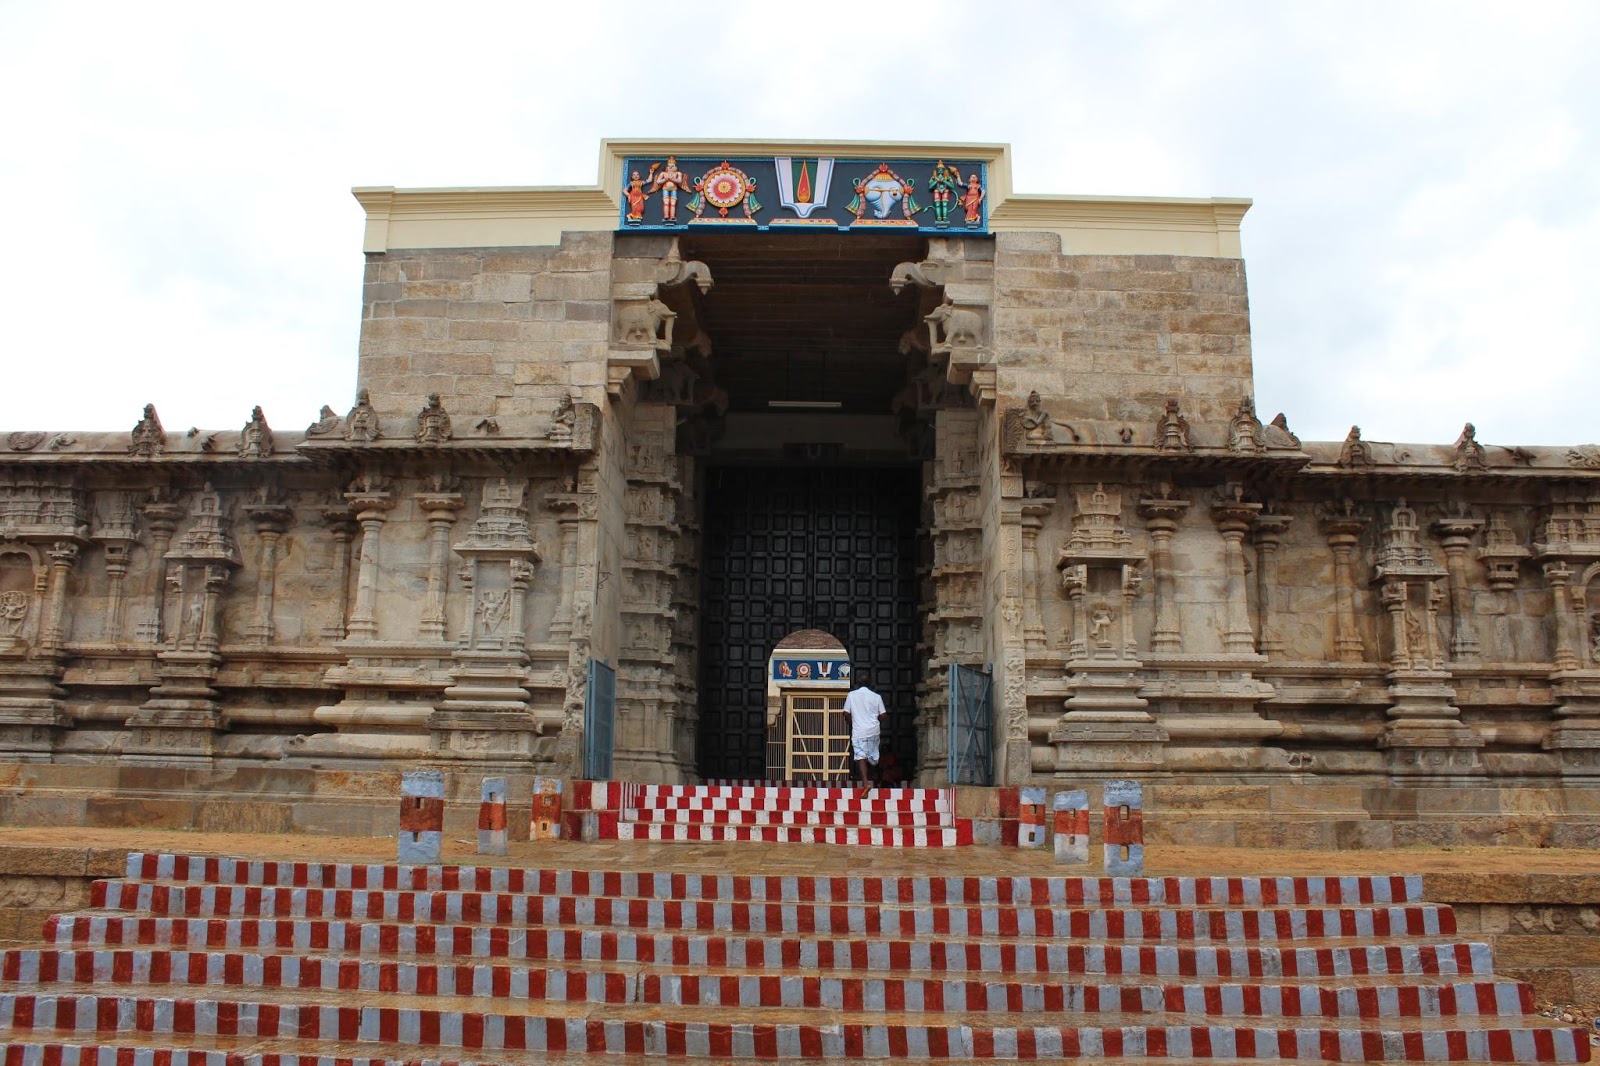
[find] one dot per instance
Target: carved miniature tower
(182, 715)
(1425, 734)
(1106, 724)
(484, 715)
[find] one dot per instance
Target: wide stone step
(653, 795)
(765, 952)
(385, 1028)
(1067, 891)
(324, 973)
(1233, 926)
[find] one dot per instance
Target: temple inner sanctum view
(634, 476)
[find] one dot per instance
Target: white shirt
(865, 707)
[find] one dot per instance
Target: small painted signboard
(792, 192)
(789, 670)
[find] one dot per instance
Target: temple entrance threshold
(805, 547)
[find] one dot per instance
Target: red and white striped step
(328, 973)
(328, 961)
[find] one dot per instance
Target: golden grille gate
(817, 744)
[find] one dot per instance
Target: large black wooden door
(806, 548)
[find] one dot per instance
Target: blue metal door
(599, 721)
(971, 722)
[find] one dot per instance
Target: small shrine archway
(808, 731)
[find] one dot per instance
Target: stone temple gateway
(609, 446)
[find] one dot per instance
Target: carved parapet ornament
(148, 439)
(433, 422)
(1172, 431)
(255, 439)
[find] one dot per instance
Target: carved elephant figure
(951, 327)
(649, 323)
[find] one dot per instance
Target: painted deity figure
(636, 196)
(943, 188)
(668, 181)
(972, 200)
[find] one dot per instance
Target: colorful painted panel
(792, 192)
(788, 669)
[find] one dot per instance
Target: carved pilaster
(270, 520)
(118, 534)
(1034, 510)
(1268, 534)
(1162, 516)
(341, 523)
(371, 501)
(1343, 528)
(1558, 576)
(1233, 516)
(62, 554)
(1455, 533)
(440, 508)
(162, 515)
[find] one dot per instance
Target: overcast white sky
(1426, 177)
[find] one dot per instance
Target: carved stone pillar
(371, 503)
(441, 509)
(1161, 518)
(1455, 535)
(63, 553)
(1269, 530)
(270, 520)
(1343, 532)
(1558, 575)
(1393, 598)
(1233, 517)
(341, 524)
(569, 512)
(1033, 512)
(117, 536)
(162, 516)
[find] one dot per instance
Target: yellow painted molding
(524, 216)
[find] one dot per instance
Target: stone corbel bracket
(652, 311)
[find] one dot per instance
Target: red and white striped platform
(190, 960)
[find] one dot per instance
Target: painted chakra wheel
(725, 186)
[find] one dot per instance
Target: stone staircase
(216, 960)
(784, 814)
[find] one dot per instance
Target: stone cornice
(501, 217)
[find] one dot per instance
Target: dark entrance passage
(805, 548)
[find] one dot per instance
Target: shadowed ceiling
(807, 316)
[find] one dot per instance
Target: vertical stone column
(1455, 535)
(1393, 596)
(1161, 517)
(342, 525)
(270, 520)
(371, 503)
(1033, 512)
(568, 508)
(1269, 530)
(1233, 516)
(1075, 579)
(162, 517)
(63, 553)
(441, 509)
(1558, 575)
(117, 572)
(1342, 533)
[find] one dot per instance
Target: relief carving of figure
(492, 610)
(1036, 421)
(635, 195)
(563, 418)
(1100, 619)
(972, 200)
(255, 439)
(667, 180)
(943, 188)
(1172, 430)
(1469, 453)
(13, 612)
(361, 424)
(1355, 452)
(149, 439)
(433, 423)
(325, 424)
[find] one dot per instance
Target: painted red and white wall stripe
(519, 983)
(109, 1015)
